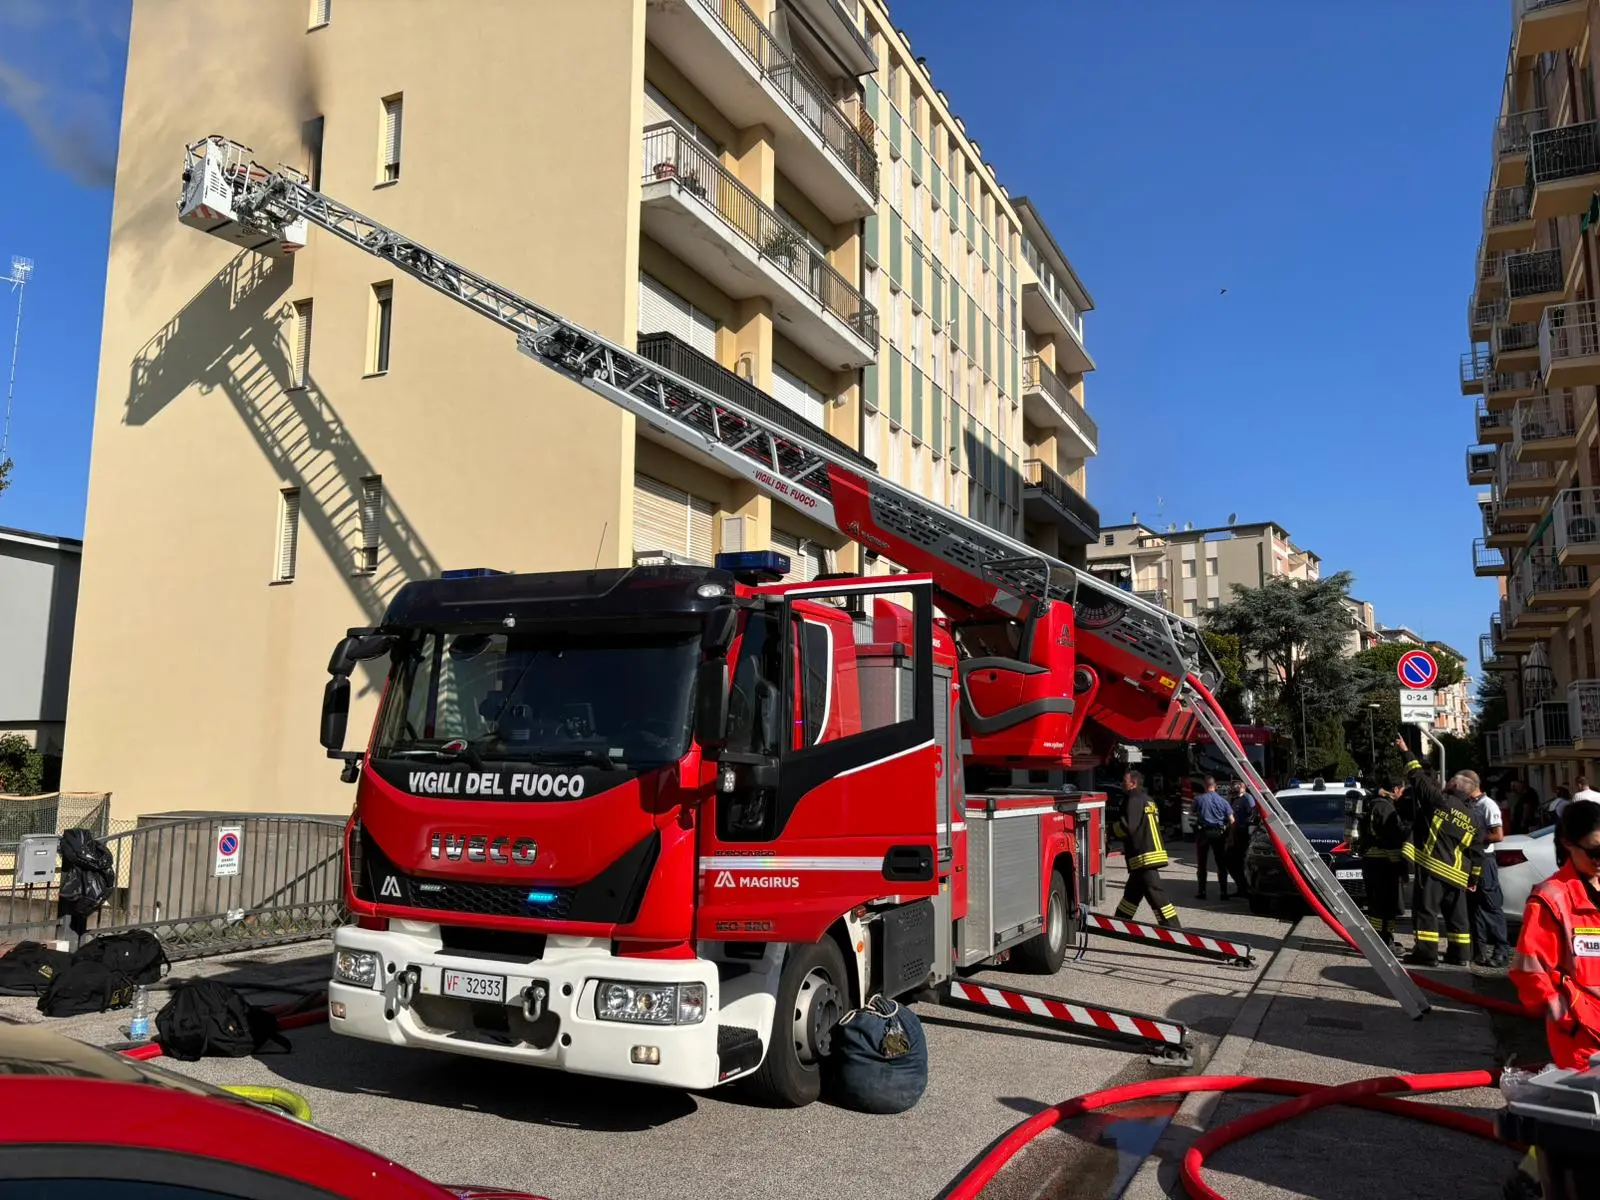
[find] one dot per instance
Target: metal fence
(176, 877)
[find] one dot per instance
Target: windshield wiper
(598, 758)
(465, 754)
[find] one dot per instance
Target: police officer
(1383, 838)
(1139, 827)
(1444, 849)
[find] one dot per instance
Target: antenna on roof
(1232, 517)
(21, 268)
(1188, 525)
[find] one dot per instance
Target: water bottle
(139, 1027)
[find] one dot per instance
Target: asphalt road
(459, 1120)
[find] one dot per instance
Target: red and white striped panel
(1109, 1020)
(1176, 938)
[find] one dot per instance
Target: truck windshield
(619, 699)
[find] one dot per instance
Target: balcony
(1526, 614)
(1046, 497)
(1493, 754)
(1487, 559)
(1569, 344)
(676, 355)
(1552, 730)
(1507, 528)
(1502, 389)
(1515, 347)
(1481, 464)
(1154, 596)
(1512, 135)
(1491, 656)
(1515, 637)
(1493, 426)
(1048, 403)
(1544, 26)
(1543, 428)
(699, 211)
(1564, 169)
(1507, 221)
(1575, 523)
(1519, 482)
(1483, 314)
(1583, 714)
(1490, 264)
(1551, 585)
(1533, 281)
(1048, 312)
(1474, 368)
(723, 48)
(831, 22)
(1516, 743)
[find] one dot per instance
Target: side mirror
(335, 712)
(721, 623)
(711, 706)
(358, 648)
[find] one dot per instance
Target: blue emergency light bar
(542, 897)
(470, 573)
(1352, 782)
(754, 566)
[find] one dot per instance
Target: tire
(1044, 953)
(813, 993)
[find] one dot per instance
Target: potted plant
(666, 170)
(691, 180)
(781, 245)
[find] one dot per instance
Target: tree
(1224, 648)
(5, 474)
(21, 766)
(1493, 708)
(1382, 659)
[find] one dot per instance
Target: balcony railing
(1154, 596)
(1506, 206)
(677, 356)
(1039, 474)
(1534, 273)
(1568, 331)
(1551, 728)
(1576, 519)
(669, 153)
(1036, 375)
(1489, 264)
(1566, 152)
(1583, 709)
(1507, 383)
(1514, 131)
(1542, 573)
(1492, 752)
(1513, 472)
(1485, 313)
(851, 140)
(1542, 418)
(1487, 559)
(1474, 368)
(1497, 630)
(1490, 420)
(1515, 337)
(1515, 739)
(1537, 683)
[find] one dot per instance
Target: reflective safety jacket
(1556, 968)
(1444, 841)
(1383, 832)
(1139, 827)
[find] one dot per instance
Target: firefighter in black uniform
(1383, 838)
(1139, 827)
(1444, 850)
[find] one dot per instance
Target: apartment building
(1365, 632)
(771, 197)
(1191, 571)
(38, 597)
(1533, 365)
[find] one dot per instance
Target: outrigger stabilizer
(1167, 1040)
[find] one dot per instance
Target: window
(1188, 608)
(288, 535)
(669, 520)
(1211, 565)
(382, 323)
(321, 13)
(1111, 539)
(916, 111)
(300, 368)
(371, 519)
(661, 310)
(1214, 602)
(794, 393)
(311, 138)
(391, 138)
(816, 679)
(1188, 568)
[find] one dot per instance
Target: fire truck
(669, 823)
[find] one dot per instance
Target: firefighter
(1443, 847)
(1139, 827)
(1383, 839)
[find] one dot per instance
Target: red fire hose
(1308, 1097)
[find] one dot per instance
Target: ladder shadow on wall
(246, 354)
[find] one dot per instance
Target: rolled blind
(797, 395)
(391, 130)
(670, 519)
(371, 511)
(661, 310)
(288, 532)
(321, 12)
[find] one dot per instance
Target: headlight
(650, 1003)
(359, 968)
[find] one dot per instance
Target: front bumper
(1267, 878)
(557, 1029)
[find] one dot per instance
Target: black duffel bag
(86, 987)
(88, 872)
(28, 967)
(880, 1058)
(206, 1018)
(137, 953)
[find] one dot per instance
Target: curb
(1194, 1114)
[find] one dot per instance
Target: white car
(1525, 860)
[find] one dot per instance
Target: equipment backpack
(28, 967)
(205, 1017)
(86, 987)
(880, 1058)
(136, 953)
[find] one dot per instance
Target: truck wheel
(1044, 953)
(813, 994)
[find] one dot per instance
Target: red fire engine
(669, 823)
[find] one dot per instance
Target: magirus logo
(727, 879)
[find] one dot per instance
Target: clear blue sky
(1323, 162)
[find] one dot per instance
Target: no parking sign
(230, 848)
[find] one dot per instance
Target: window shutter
(807, 560)
(703, 332)
(391, 131)
(797, 395)
(670, 519)
(371, 516)
(288, 533)
(702, 530)
(302, 343)
(321, 12)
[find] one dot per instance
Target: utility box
(36, 859)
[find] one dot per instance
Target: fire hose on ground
(1375, 1094)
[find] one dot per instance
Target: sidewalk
(1319, 1014)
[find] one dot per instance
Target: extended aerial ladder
(1143, 672)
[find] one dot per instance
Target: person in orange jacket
(1556, 968)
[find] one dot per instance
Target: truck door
(851, 812)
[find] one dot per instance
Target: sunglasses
(1592, 851)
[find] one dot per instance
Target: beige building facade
(1533, 365)
(772, 198)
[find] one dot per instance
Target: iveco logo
(482, 848)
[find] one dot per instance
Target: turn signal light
(1509, 858)
(1341, 848)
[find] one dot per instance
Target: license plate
(475, 987)
(1355, 874)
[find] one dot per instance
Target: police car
(1327, 814)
